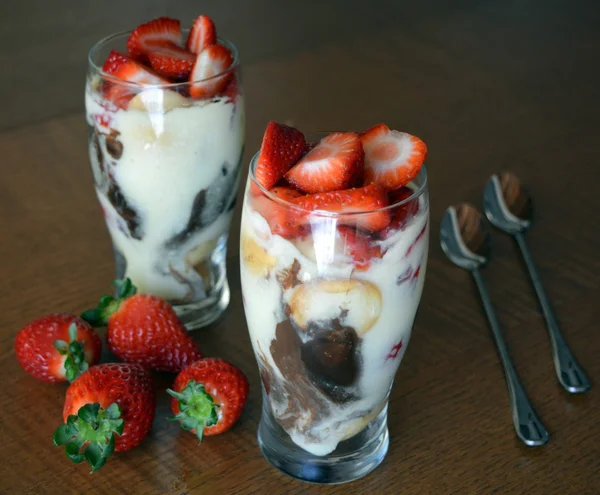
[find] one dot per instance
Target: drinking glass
(166, 170)
(330, 306)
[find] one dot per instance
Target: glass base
(200, 314)
(352, 459)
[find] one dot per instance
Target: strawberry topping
(152, 35)
(114, 61)
(359, 247)
(331, 165)
(131, 71)
(367, 201)
(281, 147)
(210, 62)
(202, 35)
(172, 62)
(402, 214)
(392, 158)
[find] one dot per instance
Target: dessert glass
(330, 309)
(166, 171)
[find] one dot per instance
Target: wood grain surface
(490, 85)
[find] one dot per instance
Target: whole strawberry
(108, 408)
(144, 329)
(209, 396)
(57, 347)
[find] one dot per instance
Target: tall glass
(166, 169)
(330, 307)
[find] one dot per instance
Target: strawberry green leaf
(198, 409)
(90, 434)
(108, 305)
(75, 362)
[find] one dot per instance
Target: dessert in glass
(333, 252)
(165, 114)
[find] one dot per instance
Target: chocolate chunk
(288, 278)
(331, 355)
(99, 154)
(116, 198)
(224, 170)
(113, 145)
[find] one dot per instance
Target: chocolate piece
(288, 278)
(114, 147)
(116, 198)
(99, 154)
(331, 358)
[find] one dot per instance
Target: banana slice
(356, 303)
(257, 260)
(360, 424)
(157, 101)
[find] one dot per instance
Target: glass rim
(416, 193)
(109, 77)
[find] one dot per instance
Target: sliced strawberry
(281, 147)
(114, 61)
(285, 193)
(364, 200)
(232, 91)
(172, 62)
(152, 35)
(285, 221)
(359, 247)
(392, 158)
(402, 214)
(202, 35)
(130, 71)
(331, 165)
(210, 62)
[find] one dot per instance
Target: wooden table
(489, 85)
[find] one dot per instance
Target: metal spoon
(508, 206)
(466, 241)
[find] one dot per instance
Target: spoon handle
(527, 424)
(569, 372)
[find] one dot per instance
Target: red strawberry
(114, 61)
(210, 62)
(363, 199)
(281, 147)
(130, 71)
(109, 407)
(144, 329)
(57, 347)
(152, 35)
(209, 396)
(402, 214)
(392, 158)
(202, 34)
(359, 247)
(285, 193)
(172, 62)
(285, 221)
(330, 166)
(232, 91)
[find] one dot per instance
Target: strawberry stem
(197, 408)
(99, 316)
(75, 362)
(93, 429)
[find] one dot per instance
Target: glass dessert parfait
(331, 283)
(166, 137)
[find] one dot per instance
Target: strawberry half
(209, 396)
(359, 247)
(114, 61)
(172, 62)
(288, 222)
(152, 35)
(285, 193)
(202, 35)
(281, 147)
(331, 165)
(363, 200)
(128, 70)
(392, 158)
(209, 76)
(400, 215)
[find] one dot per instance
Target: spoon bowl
(507, 204)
